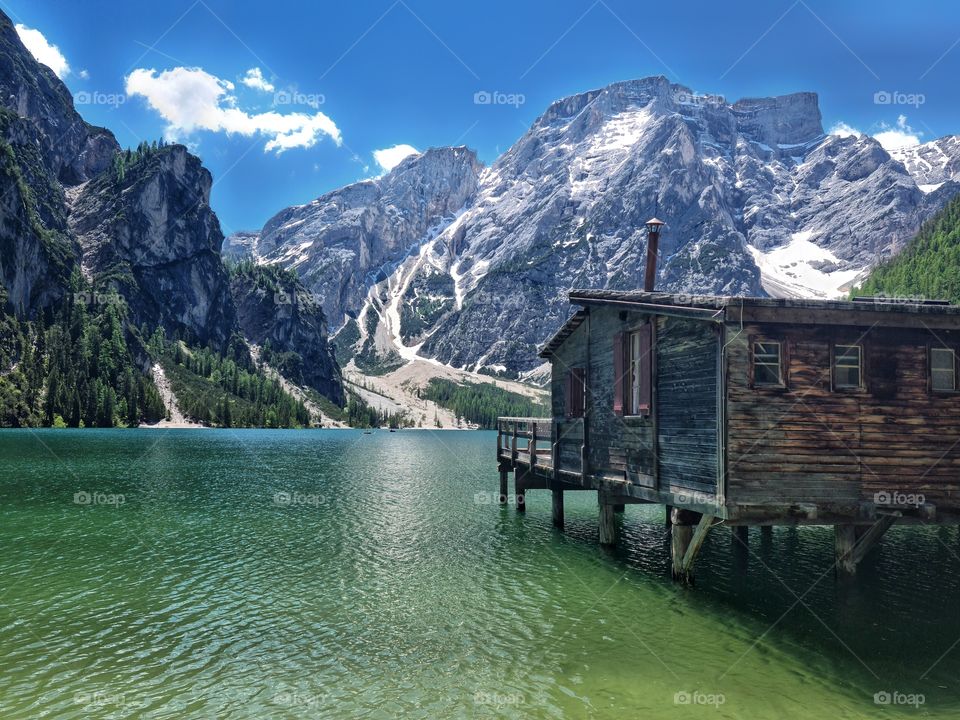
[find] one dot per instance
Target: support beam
(696, 542)
(846, 540)
(742, 534)
(870, 537)
(504, 489)
(558, 508)
(668, 511)
(619, 507)
(608, 525)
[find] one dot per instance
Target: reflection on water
(336, 574)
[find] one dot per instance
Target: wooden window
(767, 363)
(943, 369)
(639, 371)
(575, 394)
(847, 366)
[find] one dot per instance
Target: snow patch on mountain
(802, 268)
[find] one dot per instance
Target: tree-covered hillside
(929, 266)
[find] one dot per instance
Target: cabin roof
(886, 311)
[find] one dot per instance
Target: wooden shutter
(575, 393)
(645, 372)
(579, 392)
(618, 373)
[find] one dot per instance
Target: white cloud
(44, 51)
(255, 79)
(901, 135)
(192, 99)
(389, 158)
(889, 137)
(84, 74)
(844, 130)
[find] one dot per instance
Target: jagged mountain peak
(757, 199)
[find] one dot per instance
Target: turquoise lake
(254, 574)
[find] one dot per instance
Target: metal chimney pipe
(653, 242)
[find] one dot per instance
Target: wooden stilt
(846, 540)
(504, 489)
(558, 508)
(519, 476)
(686, 541)
(608, 526)
(668, 510)
(619, 508)
(742, 534)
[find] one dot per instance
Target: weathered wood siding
(619, 446)
(808, 443)
(571, 354)
(687, 403)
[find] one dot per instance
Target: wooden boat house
(747, 412)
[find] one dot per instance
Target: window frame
(633, 366)
(931, 370)
(781, 381)
(834, 366)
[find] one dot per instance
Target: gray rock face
(347, 240)
(154, 235)
(74, 150)
(756, 197)
(273, 308)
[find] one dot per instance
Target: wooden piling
(608, 525)
(558, 508)
(619, 507)
(504, 489)
(846, 540)
(519, 491)
(686, 541)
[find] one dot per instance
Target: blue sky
(329, 83)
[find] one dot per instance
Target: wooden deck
(528, 447)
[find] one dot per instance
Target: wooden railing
(534, 441)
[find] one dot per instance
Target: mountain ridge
(758, 200)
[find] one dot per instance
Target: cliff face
(344, 242)
(139, 223)
(276, 310)
(153, 234)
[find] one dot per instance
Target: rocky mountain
(80, 219)
(347, 240)
(280, 315)
(757, 200)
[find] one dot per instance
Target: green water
(377, 584)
